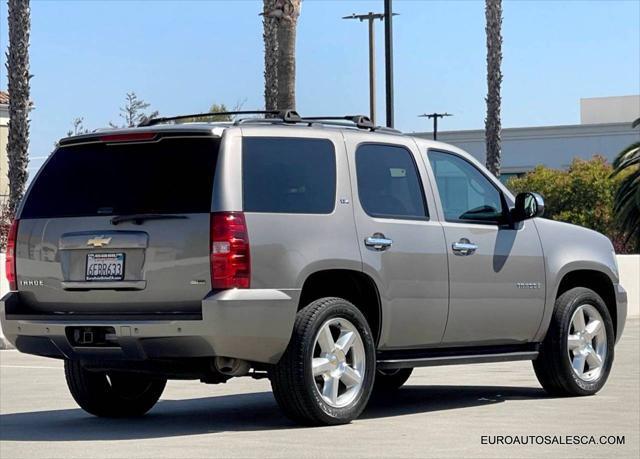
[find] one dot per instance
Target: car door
(496, 271)
(402, 247)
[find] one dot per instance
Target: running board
(455, 356)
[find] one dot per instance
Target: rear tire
(577, 354)
(391, 380)
(112, 394)
(326, 375)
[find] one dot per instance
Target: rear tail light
(230, 260)
(132, 137)
(10, 260)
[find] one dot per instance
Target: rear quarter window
(288, 175)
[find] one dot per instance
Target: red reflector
(134, 137)
(10, 260)
(229, 254)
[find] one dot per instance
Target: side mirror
(528, 205)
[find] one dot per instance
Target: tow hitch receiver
(92, 336)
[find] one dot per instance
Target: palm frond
(627, 198)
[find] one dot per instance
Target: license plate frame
(105, 267)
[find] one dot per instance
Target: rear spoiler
(133, 136)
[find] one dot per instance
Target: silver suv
(328, 255)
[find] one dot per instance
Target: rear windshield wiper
(139, 218)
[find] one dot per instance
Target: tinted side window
(388, 182)
(288, 175)
(466, 194)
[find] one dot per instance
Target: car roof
(217, 129)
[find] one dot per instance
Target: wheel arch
(595, 280)
(354, 286)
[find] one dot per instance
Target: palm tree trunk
(493, 12)
(280, 19)
(270, 36)
(19, 102)
(287, 55)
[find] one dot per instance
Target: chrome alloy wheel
(338, 362)
(587, 343)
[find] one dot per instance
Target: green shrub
(583, 195)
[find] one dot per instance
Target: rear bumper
(252, 324)
(621, 310)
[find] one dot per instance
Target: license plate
(105, 267)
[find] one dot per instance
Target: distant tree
(280, 21)
(217, 108)
(583, 195)
(493, 28)
(133, 112)
(627, 198)
(19, 100)
(78, 127)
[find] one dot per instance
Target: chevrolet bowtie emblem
(99, 241)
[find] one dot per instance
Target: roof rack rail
(361, 122)
(287, 116)
(280, 116)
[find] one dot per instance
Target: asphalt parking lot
(442, 412)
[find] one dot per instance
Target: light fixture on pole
(435, 117)
(370, 17)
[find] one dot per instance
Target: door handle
(378, 242)
(464, 247)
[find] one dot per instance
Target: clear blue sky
(183, 55)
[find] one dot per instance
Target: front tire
(577, 353)
(112, 394)
(326, 375)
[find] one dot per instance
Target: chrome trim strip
(104, 285)
(457, 359)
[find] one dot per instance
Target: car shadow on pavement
(241, 412)
(423, 399)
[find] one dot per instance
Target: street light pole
(388, 52)
(370, 17)
(435, 117)
(372, 68)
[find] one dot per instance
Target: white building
(604, 129)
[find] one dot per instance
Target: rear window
(168, 176)
(288, 175)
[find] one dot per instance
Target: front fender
(569, 248)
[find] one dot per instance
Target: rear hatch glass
(173, 175)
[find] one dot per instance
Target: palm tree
(270, 36)
(287, 54)
(19, 103)
(627, 199)
(280, 20)
(492, 127)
